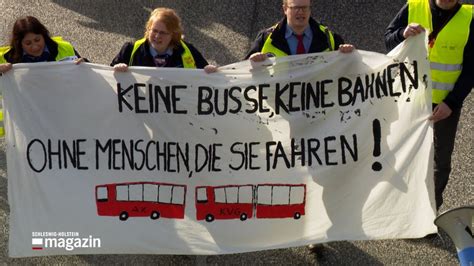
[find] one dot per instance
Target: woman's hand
(5, 67)
(412, 29)
(210, 69)
(440, 112)
(79, 60)
(121, 67)
(346, 48)
(258, 57)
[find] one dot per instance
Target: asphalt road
(223, 30)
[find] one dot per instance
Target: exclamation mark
(376, 166)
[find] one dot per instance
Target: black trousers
(444, 136)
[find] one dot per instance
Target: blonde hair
(171, 20)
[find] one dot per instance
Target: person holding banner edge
(296, 33)
(451, 53)
(31, 43)
(162, 46)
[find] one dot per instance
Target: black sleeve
(394, 31)
(338, 40)
(124, 55)
(79, 56)
(257, 44)
(200, 61)
(465, 82)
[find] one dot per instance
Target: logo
(63, 240)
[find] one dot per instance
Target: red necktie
(300, 48)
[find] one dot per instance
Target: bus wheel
(123, 216)
(243, 217)
(297, 215)
(154, 215)
(209, 218)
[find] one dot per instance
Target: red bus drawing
(246, 201)
(141, 199)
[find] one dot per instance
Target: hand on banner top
(5, 67)
(210, 69)
(79, 60)
(121, 67)
(346, 48)
(258, 57)
(412, 29)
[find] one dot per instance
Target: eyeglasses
(160, 32)
(299, 8)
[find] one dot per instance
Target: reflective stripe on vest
(186, 56)
(269, 48)
(446, 67)
(446, 55)
(442, 86)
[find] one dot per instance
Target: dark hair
(22, 27)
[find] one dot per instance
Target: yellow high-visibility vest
(186, 56)
(65, 51)
(270, 49)
(446, 55)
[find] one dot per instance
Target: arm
(199, 59)
(257, 45)
(394, 31)
(79, 58)
(122, 59)
(338, 40)
(124, 55)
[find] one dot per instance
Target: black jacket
(144, 58)
(319, 43)
(465, 82)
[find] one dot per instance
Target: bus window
(164, 193)
(102, 195)
(122, 192)
(220, 195)
(281, 195)
(245, 194)
(264, 195)
(178, 195)
(201, 195)
(232, 194)
(135, 192)
(150, 192)
(297, 195)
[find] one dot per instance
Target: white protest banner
(304, 149)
